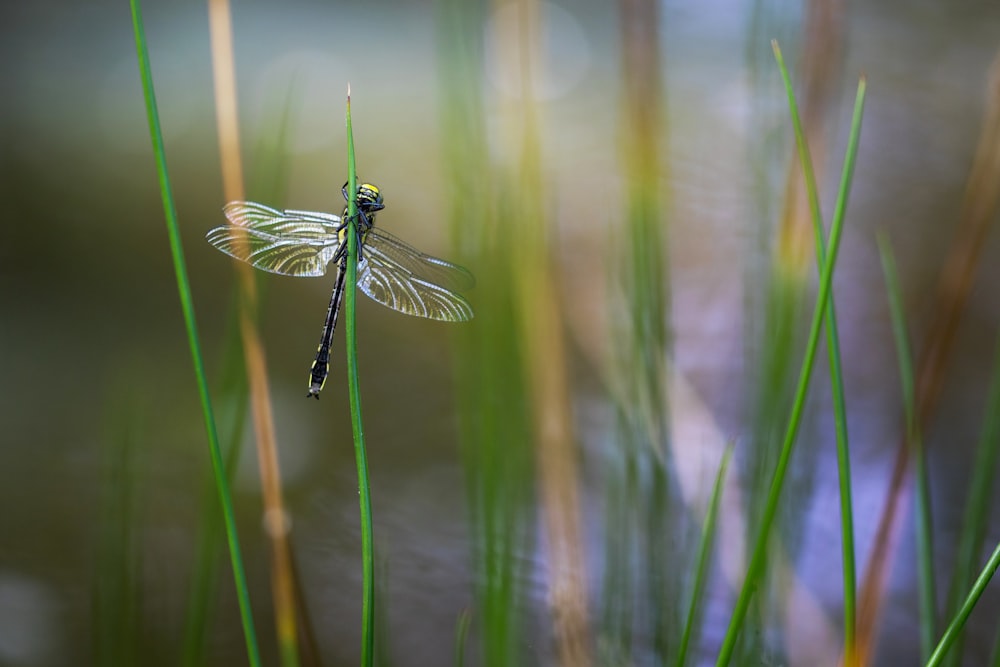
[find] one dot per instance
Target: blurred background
(654, 136)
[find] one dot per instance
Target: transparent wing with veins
(303, 243)
(291, 243)
(407, 280)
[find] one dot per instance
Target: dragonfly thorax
(368, 202)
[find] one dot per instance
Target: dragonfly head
(369, 199)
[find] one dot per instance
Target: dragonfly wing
(393, 286)
(292, 243)
(392, 251)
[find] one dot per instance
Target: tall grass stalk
(772, 347)
(977, 505)
(644, 521)
(924, 530)
(703, 560)
(836, 372)
(958, 622)
(546, 372)
(772, 315)
(547, 385)
(494, 431)
(270, 158)
(187, 307)
(284, 590)
(461, 636)
(980, 204)
(209, 541)
(354, 389)
(622, 536)
(117, 621)
(756, 564)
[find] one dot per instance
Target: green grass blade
(493, 410)
(364, 492)
(704, 557)
(648, 533)
(925, 545)
(187, 307)
(383, 641)
(622, 497)
(836, 373)
(205, 576)
(267, 184)
(957, 623)
(461, 636)
(756, 564)
(231, 418)
(977, 506)
(117, 596)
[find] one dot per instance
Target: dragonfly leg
(364, 226)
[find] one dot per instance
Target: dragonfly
(305, 243)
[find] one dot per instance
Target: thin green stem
(461, 635)
(836, 373)
(977, 505)
(914, 438)
(187, 307)
(704, 557)
(756, 565)
(364, 492)
(956, 625)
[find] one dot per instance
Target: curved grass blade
(977, 506)
(361, 459)
(283, 587)
(956, 625)
(756, 564)
(914, 438)
(704, 557)
(461, 635)
(836, 374)
(187, 307)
